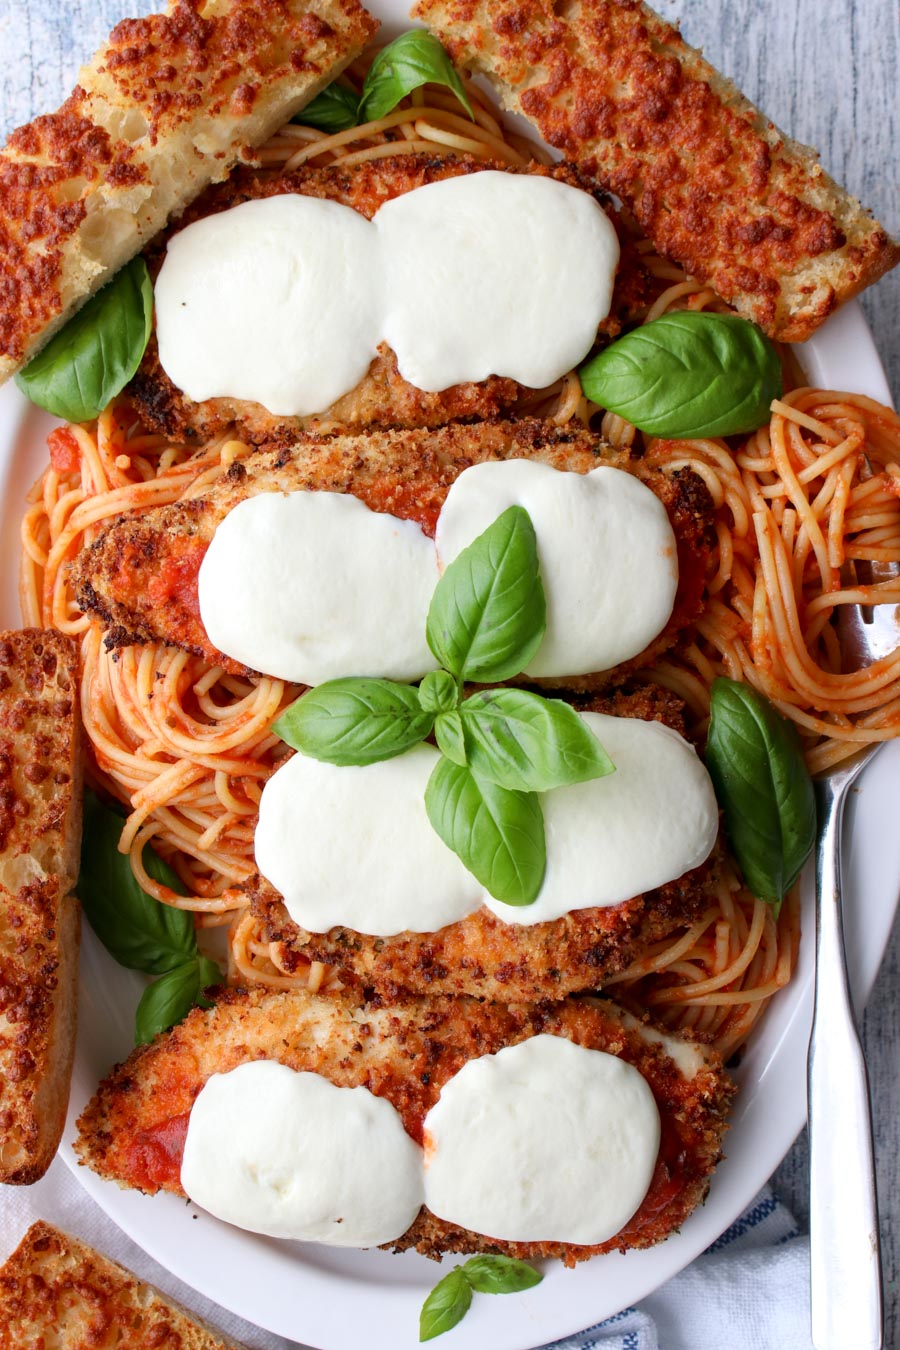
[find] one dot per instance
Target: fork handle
(845, 1261)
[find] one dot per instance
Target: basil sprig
(764, 788)
(499, 747)
(688, 373)
(451, 1297)
(94, 356)
(171, 997)
(335, 109)
(137, 930)
(411, 60)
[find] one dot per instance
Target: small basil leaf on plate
(355, 721)
(445, 1306)
(764, 788)
(334, 109)
(137, 930)
(533, 744)
(438, 692)
(488, 614)
(94, 356)
(171, 997)
(497, 834)
(411, 60)
(448, 733)
(500, 1275)
(688, 373)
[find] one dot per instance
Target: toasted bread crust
(40, 833)
(716, 186)
(383, 398)
(134, 1128)
(139, 575)
(166, 107)
(481, 955)
(40, 798)
(53, 1286)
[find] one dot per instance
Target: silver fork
(845, 1256)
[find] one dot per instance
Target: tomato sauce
(153, 1158)
(692, 562)
(175, 582)
(65, 455)
(407, 501)
(672, 1174)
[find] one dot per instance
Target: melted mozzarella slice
(353, 847)
(545, 1141)
(494, 274)
(651, 821)
(277, 301)
(284, 300)
(291, 1155)
(607, 553)
(311, 586)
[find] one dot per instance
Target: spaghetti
(187, 747)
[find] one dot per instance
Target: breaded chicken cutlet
(711, 181)
(133, 1131)
(383, 397)
(481, 955)
(140, 574)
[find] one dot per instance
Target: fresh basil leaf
(445, 1306)
(448, 733)
(439, 692)
(764, 788)
(171, 997)
(500, 1275)
(688, 373)
(529, 743)
(355, 721)
(411, 60)
(334, 109)
(137, 930)
(498, 834)
(488, 614)
(94, 356)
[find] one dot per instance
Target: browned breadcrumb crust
(154, 119)
(40, 826)
(57, 1291)
(481, 955)
(133, 1130)
(139, 575)
(383, 397)
(710, 180)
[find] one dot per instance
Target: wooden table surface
(826, 72)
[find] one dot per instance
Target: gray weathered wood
(826, 72)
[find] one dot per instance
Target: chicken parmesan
(134, 1130)
(383, 397)
(485, 955)
(140, 576)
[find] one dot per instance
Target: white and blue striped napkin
(748, 1291)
